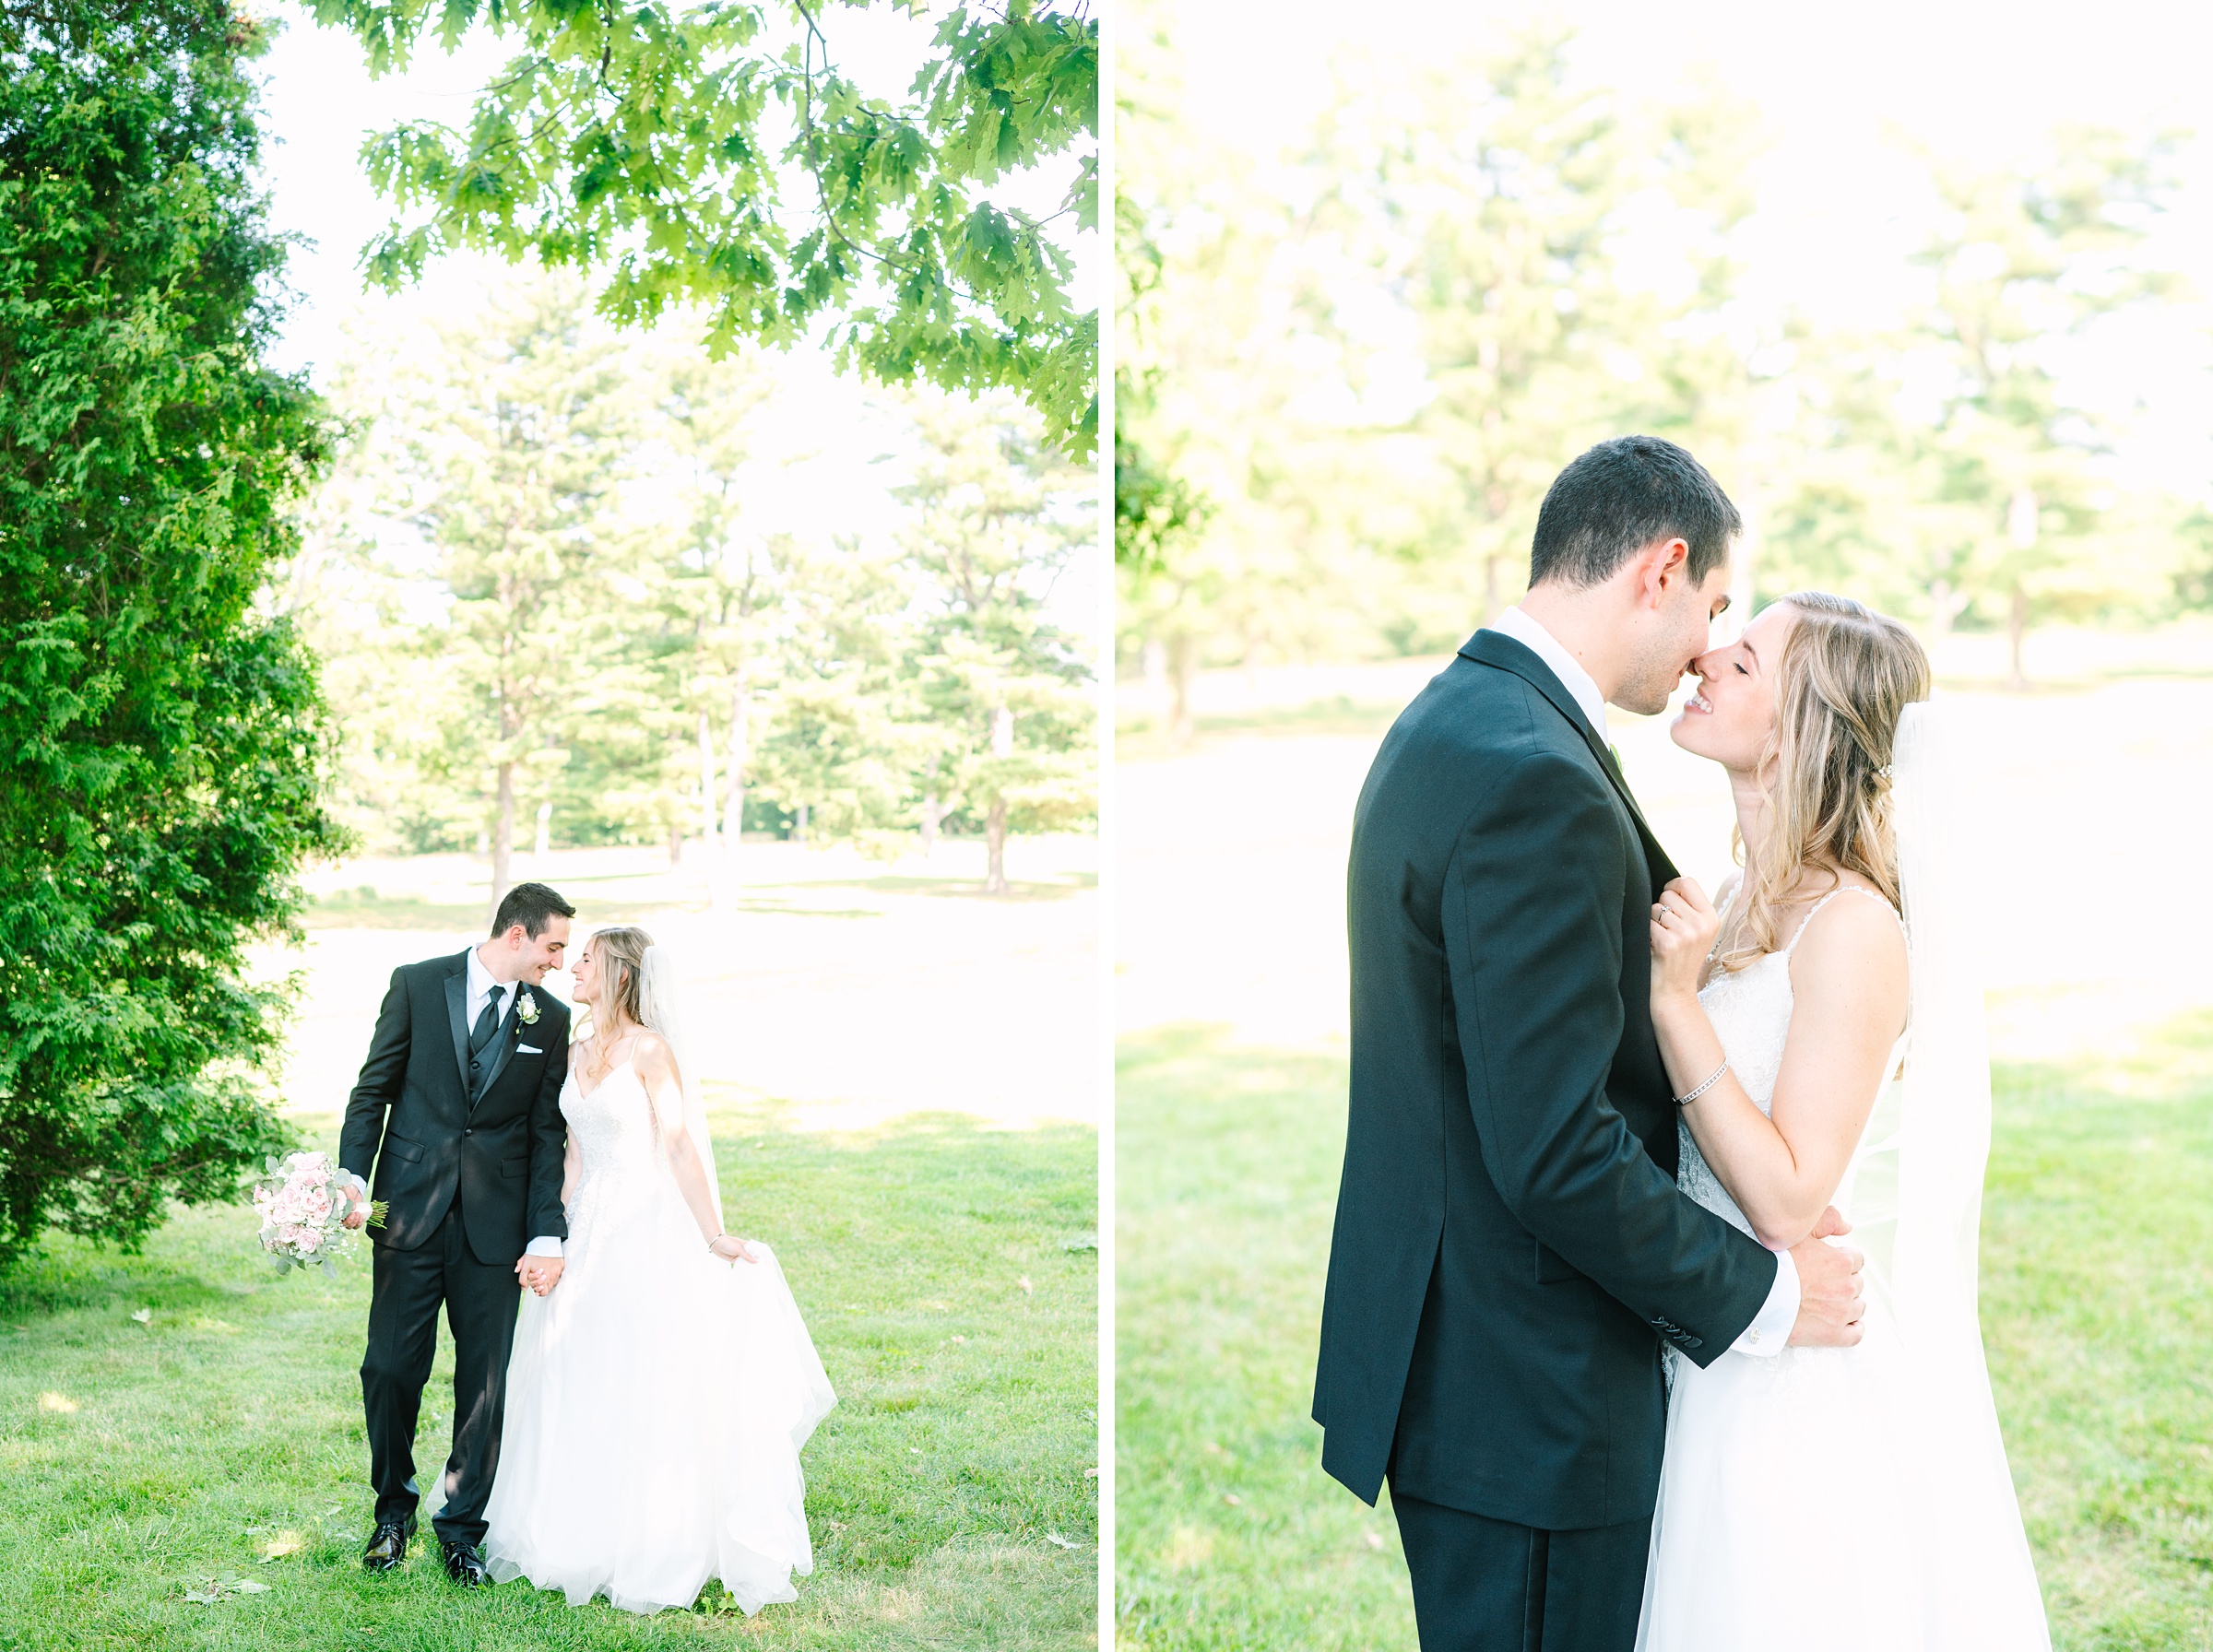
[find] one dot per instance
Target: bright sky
(320, 104)
(1977, 80)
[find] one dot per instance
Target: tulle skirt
(656, 1402)
(1799, 1508)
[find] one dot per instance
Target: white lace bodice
(620, 1166)
(1750, 1009)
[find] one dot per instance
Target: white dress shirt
(481, 988)
(1770, 1327)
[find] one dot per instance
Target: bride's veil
(662, 1012)
(1918, 1184)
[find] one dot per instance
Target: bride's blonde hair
(621, 957)
(1846, 676)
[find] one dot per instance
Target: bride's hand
(1684, 927)
(739, 1252)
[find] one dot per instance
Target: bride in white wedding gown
(1852, 1499)
(662, 1385)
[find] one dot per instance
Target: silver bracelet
(1712, 1078)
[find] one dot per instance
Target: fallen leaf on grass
(57, 1402)
(219, 1588)
(1233, 1499)
(1375, 1538)
(1023, 1281)
(960, 1338)
(284, 1543)
(1091, 1472)
(1054, 1537)
(145, 1316)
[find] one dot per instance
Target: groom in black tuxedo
(458, 1109)
(1511, 1250)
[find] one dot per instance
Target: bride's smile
(1730, 717)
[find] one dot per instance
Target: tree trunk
(741, 758)
(502, 840)
(676, 845)
(1184, 659)
(995, 841)
(995, 823)
(2016, 633)
(1948, 606)
(1154, 661)
(798, 826)
(707, 786)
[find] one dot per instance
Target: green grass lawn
(2098, 1312)
(944, 1270)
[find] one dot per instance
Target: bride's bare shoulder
(1854, 933)
(652, 1054)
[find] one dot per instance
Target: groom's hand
(1831, 1302)
(540, 1273)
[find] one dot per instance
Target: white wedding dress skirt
(1799, 1506)
(658, 1397)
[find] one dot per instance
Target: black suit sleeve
(378, 1087)
(1534, 937)
(549, 1142)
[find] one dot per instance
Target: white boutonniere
(526, 1009)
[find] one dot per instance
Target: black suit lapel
(456, 993)
(502, 1046)
(1495, 648)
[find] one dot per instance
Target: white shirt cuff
(1770, 1327)
(361, 1188)
(545, 1245)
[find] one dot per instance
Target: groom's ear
(1659, 568)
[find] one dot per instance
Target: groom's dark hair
(1620, 496)
(532, 905)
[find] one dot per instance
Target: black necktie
(487, 1025)
(480, 1039)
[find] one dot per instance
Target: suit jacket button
(471, 1131)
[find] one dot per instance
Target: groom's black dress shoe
(464, 1565)
(388, 1545)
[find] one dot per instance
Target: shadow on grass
(2097, 1313)
(930, 1256)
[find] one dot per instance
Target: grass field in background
(951, 1493)
(2098, 1315)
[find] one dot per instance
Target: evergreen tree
(997, 518)
(519, 434)
(160, 728)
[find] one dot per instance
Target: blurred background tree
(553, 592)
(1350, 368)
(997, 516)
(518, 429)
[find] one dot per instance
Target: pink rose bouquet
(303, 1203)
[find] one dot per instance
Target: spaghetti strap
(1848, 888)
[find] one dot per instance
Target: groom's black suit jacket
(1509, 1244)
(410, 1114)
